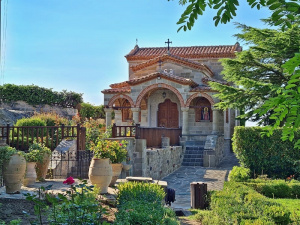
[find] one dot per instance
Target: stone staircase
(193, 155)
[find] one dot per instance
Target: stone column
(215, 121)
(135, 115)
(185, 120)
(108, 112)
(237, 113)
(118, 117)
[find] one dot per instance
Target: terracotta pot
(42, 168)
(116, 169)
(100, 174)
(13, 173)
(30, 175)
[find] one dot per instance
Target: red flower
(69, 181)
(120, 144)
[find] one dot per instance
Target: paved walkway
(214, 177)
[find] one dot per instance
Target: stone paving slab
(214, 177)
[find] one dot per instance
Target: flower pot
(30, 175)
(116, 170)
(100, 173)
(42, 168)
(13, 173)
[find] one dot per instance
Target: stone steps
(193, 155)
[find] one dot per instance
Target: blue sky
(80, 45)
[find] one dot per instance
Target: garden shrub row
(35, 95)
(266, 155)
(240, 204)
(142, 203)
(277, 188)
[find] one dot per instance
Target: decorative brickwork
(190, 99)
(113, 99)
(156, 86)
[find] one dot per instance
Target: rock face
(11, 116)
(10, 113)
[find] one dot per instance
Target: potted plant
(42, 164)
(32, 157)
(100, 171)
(119, 154)
(13, 166)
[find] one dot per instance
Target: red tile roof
(194, 52)
(201, 88)
(205, 80)
(173, 58)
(117, 90)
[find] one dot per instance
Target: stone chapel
(168, 87)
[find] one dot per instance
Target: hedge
(266, 155)
(239, 204)
(35, 95)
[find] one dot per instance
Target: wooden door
(167, 115)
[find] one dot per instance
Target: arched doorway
(167, 114)
(202, 109)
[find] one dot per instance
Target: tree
(286, 105)
(257, 73)
(283, 11)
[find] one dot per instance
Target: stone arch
(208, 97)
(154, 86)
(113, 99)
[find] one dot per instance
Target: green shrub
(237, 203)
(88, 110)
(276, 188)
(266, 155)
(139, 191)
(239, 174)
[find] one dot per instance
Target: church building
(168, 87)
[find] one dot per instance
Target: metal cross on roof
(168, 42)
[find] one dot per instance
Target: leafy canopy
(283, 11)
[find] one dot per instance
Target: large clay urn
(42, 168)
(13, 173)
(30, 175)
(100, 174)
(116, 169)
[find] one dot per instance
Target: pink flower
(69, 181)
(120, 144)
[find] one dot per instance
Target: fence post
(78, 137)
(7, 134)
(114, 131)
(62, 131)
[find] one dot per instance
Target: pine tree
(256, 74)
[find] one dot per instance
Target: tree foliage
(283, 11)
(256, 74)
(35, 95)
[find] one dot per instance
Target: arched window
(202, 109)
(126, 111)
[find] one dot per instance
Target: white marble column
(108, 112)
(136, 115)
(215, 121)
(185, 120)
(118, 117)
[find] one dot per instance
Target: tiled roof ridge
(189, 51)
(117, 90)
(186, 61)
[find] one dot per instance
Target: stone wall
(213, 150)
(159, 162)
